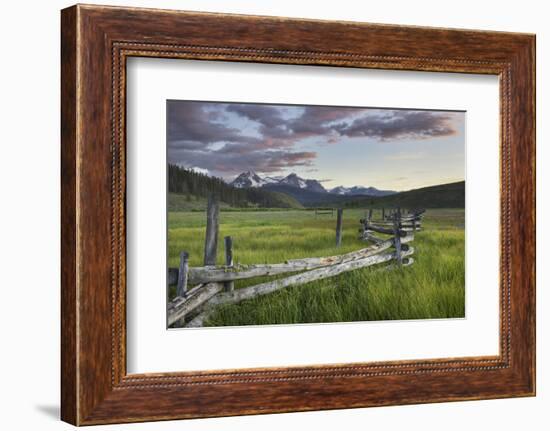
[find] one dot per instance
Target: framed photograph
(249, 170)
(263, 214)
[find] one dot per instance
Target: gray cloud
(191, 124)
(318, 120)
(230, 163)
(395, 124)
(267, 115)
(227, 138)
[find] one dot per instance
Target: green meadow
(433, 287)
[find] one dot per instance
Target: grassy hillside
(188, 202)
(178, 203)
(285, 201)
(442, 196)
(308, 198)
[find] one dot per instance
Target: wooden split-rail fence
(201, 289)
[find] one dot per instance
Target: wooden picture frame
(95, 43)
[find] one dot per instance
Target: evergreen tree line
(190, 183)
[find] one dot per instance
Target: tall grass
(433, 287)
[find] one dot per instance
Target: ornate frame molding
(96, 41)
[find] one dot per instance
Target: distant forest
(190, 183)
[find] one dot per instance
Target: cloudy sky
(396, 149)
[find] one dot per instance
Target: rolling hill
(306, 197)
(441, 196)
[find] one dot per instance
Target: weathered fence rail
(306, 277)
(214, 284)
(324, 211)
(209, 274)
(181, 306)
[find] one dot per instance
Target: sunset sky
(392, 149)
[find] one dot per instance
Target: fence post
(398, 215)
(370, 214)
(339, 227)
(397, 237)
(182, 274)
(211, 240)
(229, 286)
(383, 214)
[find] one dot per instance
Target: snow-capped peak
(294, 180)
(272, 180)
(340, 190)
(251, 179)
(248, 179)
(360, 190)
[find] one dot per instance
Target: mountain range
(252, 179)
(189, 189)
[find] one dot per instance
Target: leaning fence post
(229, 286)
(339, 227)
(182, 274)
(397, 238)
(211, 240)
